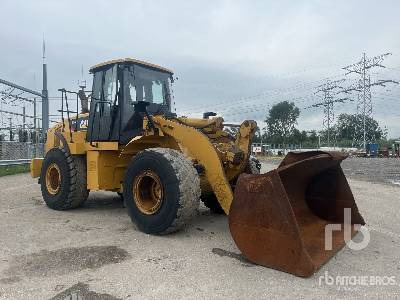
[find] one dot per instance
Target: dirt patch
(81, 291)
(10, 280)
(239, 257)
(64, 261)
(157, 260)
(167, 263)
(125, 229)
(38, 200)
(80, 228)
(103, 202)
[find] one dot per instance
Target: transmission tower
(363, 87)
(329, 90)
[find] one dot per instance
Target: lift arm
(197, 146)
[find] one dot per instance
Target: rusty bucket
(278, 219)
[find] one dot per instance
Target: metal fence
(17, 150)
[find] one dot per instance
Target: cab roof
(130, 60)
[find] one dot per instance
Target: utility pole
(22, 132)
(262, 132)
(35, 135)
(11, 133)
(23, 118)
(34, 114)
(363, 87)
(34, 124)
(45, 96)
(328, 90)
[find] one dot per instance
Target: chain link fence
(17, 150)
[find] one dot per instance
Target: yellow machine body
(221, 157)
(276, 219)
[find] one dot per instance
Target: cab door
(104, 110)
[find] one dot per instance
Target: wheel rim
(53, 179)
(148, 192)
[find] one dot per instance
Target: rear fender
(36, 166)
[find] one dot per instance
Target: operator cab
(118, 86)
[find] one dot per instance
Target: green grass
(11, 170)
(267, 158)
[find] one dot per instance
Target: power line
(363, 87)
(260, 96)
(9, 95)
(328, 90)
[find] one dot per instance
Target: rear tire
(161, 190)
(63, 180)
(211, 202)
(253, 167)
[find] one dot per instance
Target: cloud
(221, 51)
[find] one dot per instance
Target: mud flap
(278, 219)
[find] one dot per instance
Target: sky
(237, 58)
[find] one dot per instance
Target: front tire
(63, 180)
(161, 190)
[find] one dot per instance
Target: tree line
(281, 128)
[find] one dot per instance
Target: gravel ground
(379, 170)
(94, 252)
(383, 170)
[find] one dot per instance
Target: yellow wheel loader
(131, 143)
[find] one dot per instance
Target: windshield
(142, 84)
